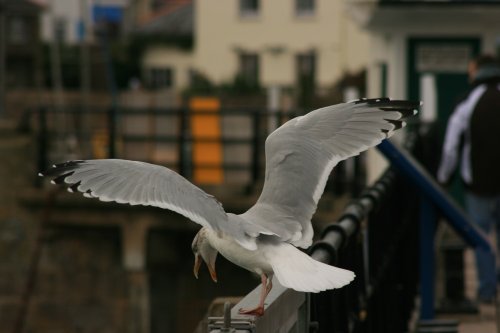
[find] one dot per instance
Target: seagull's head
(202, 250)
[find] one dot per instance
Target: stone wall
(90, 276)
(17, 236)
(79, 285)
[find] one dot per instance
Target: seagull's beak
(213, 274)
(198, 259)
(197, 264)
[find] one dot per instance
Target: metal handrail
(433, 200)
(334, 243)
(422, 180)
(341, 237)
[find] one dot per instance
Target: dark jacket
(476, 122)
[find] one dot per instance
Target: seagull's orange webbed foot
(258, 311)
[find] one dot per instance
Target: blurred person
(471, 140)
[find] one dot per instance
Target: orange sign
(207, 147)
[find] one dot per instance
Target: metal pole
(227, 319)
(84, 53)
(84, 124)
(112, 132)
(55, 57)
(256, 148)
(108, 61)
(184, 144)
(110, 75)
(2, 58)
(43, 134)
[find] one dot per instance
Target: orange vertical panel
(207, 148)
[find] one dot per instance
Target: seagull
(300, 156)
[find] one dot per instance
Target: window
(249, 7)
(306, 64)
(18, 30)
(160, 78)
(249, 68)
(305, 7)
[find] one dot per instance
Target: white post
(428, 96)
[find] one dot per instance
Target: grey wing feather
(301, 154)
(139, 183)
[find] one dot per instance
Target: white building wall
(277, 35)
(69, 10)
(180, 61)
(221, 32)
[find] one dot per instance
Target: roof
(39, 3)
(439, 2)
(24, 5)
(175, 18)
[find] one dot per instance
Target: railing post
(256, 147)
(42, 143)
(112, 132)
(428, 219)
(184, 147)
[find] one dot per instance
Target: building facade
(270, 43)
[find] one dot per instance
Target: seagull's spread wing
(301, 154)
(139, 183)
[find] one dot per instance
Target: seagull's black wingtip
(406, 108)
(60, 179)
(61, 168)
(372, 100)
(387, 102)
(68, 164)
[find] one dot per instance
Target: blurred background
(194, 85)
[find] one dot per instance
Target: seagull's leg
(269, 284)
(266, 288)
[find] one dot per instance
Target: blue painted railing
(381, 235)
(433, 201)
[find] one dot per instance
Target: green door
(446, 59)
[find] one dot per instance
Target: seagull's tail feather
(296, 270)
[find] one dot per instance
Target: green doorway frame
(456, 83)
